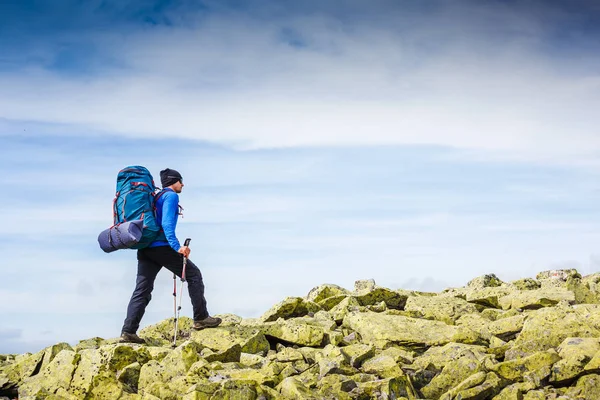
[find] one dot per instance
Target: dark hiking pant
(150, 261)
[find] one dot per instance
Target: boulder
(485, 281)
(445, 309)
(547, 328)
(385, 330)
(576, 353)
(519, 369)
(536, 298)
(323, 292)
(251, 339)
(290, 307)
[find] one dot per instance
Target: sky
(418, 143)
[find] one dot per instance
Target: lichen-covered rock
(536, 298)
(161, 334)
(54, 375)
(348, 304)
(445, 309)
(372, 343)
(356, 354)
(525, 284)
(391, 298)
(130, 375)
(322, 292)
(587, 387)
(251, 339)
(440, 356)
(297, 331)
(293, 388)
(547, 328)
(290, 307)
(453, 373)
(389, 388)
(488, 296)
(485, 281)
(576, 353)
(517, 370)
(384, 330)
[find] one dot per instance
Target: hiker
(166, 252)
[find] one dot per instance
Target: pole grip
(187, 242)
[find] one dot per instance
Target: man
(167, 252)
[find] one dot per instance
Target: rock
(54, 375)
(488, 296)
(576, 353)
(349, 304)
(453, 373)
(548, 327)
(389, 388)
(161, 334)
(516, 370)
(323, 292)
(356, 354)
(296, 331)
(251, 339)
(130, 375)
(526, 284)
(370, 343)
(440, 356)
(290, 307)
(536, 298)
(293, 388)
(485, 281)
(587, 387)
(384, 330)
(445, 309)
(391, 299)
(229, 319)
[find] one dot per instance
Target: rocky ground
(529, 339)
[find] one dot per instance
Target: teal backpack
(134, 215)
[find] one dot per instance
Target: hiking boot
(208, 322)
(131, 338)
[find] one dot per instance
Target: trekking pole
(186, 244)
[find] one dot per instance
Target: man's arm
(169, 219)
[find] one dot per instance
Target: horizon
(420, 144)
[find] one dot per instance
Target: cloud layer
(516, 78)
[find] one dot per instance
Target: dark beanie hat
(169, 177)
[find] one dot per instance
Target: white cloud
(229, 78)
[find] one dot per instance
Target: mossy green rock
(488, 296)
(576, 353)
(391, 298)
(251, 339)
(485, 281)
(440, 308)
(516, 370)
(323, 292)
(537, 298)
(384, 330)
(54, 375)
(297, 331)
(548, 328)
(453, 373)
(365, 344)
(290, 307)
(587, 387)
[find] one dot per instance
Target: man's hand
(184, 250)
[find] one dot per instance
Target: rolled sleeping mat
(121, 236)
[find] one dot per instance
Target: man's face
(177, 186)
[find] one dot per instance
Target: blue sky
(419, 143)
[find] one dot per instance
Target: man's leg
(173, 261)
(146, 274)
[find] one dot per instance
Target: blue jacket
(167, 213)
